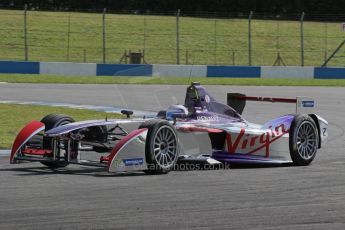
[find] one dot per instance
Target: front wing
(127, 155)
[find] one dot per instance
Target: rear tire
(52, 121)
(304, 140)
(161, 150)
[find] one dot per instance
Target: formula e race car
(156, 145)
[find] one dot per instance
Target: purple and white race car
(202, 131)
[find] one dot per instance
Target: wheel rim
(306, 140)
(165, 147)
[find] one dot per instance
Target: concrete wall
(82, 69)
(67, 68)
(179, 70)
(329, 73)
(123, 70)
(19, 67)
(234, 71)
(287, 72)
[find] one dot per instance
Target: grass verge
(14, 117)
(29, 78)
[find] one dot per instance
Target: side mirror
(178, 115)
(128, 113)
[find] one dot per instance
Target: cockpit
(198, 99)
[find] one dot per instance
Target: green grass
(14, 117)
(208, 41)
(28, 78)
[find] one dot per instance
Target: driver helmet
(176, 109)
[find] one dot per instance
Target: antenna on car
(191, 70)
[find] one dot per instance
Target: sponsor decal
(307, 104)
(133, 161)
(254, 143)
(208, 118)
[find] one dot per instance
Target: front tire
(161, 151)
(304, 140)
(52, 121)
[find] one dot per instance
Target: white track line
(5, 152)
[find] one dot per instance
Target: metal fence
(106, 37)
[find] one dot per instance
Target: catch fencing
(205, 39)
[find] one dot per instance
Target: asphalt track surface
(312, 197)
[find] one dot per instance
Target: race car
(201, 131)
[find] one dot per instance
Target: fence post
(178, 37)
(326, 42)
(250, 38)
(302, 38)
(144, 33)
(187, 57)
(278, 34)
(26, 51)
(84, 52)
(104, 34)
(68, 35)
(233, 57)
(215, 41)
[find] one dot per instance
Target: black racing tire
(303, 140)
(161, 149)
(52, 121)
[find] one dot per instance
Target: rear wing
(238, 101)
